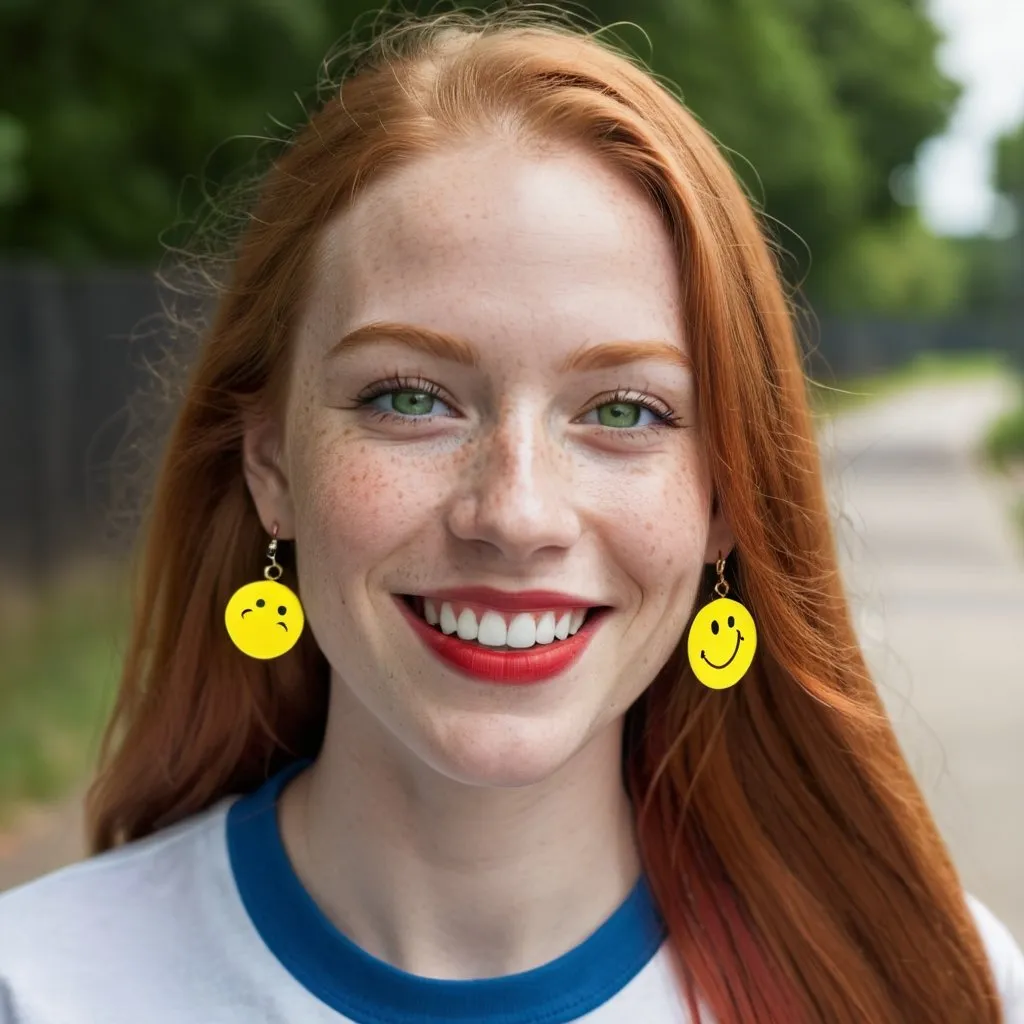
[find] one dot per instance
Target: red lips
(533, 665)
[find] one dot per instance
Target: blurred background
(884, 140)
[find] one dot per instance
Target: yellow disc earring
(265, 618)
(722, 638)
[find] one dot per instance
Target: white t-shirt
(207, 922)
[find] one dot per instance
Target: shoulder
(111, 914)
(1005, 956)
(109, 882)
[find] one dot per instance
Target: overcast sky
(984, 50)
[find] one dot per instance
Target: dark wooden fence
(74, 349)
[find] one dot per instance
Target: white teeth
(448, 621)
(467, 627)
(546, 628)
(492, 630)
(522, 631)
(562, 626)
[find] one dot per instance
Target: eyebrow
(458, 350)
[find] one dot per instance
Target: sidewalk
(935, 570)
(936, 575)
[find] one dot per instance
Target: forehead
(487, 239)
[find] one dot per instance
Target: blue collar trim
(370, 991)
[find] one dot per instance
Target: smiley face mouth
(246, 611)
(739, 640)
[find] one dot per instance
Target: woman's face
(532, 427)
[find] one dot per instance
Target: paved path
(935, 571)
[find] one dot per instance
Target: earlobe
(721, 539)
(265, 477)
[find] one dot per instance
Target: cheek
(359, 501)
(656, 517)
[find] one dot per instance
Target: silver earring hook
(272, 571)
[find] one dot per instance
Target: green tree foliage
(1009, 180)
(988, 274)
(105, 109)
(995, 265)
(1007, 259)
(821, 102)
(1009, 169)
(896, 266)
(119, 102)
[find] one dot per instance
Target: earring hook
(272, 571)
(721, 587)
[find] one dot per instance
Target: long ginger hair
(792, 856)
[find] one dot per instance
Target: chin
(502, 752)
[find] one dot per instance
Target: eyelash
(666, 418)
(394, 384)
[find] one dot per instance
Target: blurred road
(935, 571)
(936, 574)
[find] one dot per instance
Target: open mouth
(500, 631)
(492, 646)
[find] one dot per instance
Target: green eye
(619, 414)
(406, 403)
(412, 403)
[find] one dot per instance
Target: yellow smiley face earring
(722, 638)
(265, 618)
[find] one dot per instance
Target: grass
(830, 399)
(61, 651)
(1004, 448)
(1018, 515)
(1004, 444)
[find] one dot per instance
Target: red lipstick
(534, 665)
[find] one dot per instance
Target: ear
(262, 451)
(721, 540)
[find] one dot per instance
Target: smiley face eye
(732, 621)
(281, 610)
(714, 626)
(260, 602)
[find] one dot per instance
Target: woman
(505, 377)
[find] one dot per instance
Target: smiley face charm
(721, 643)
(264, 619)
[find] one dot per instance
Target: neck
(448, 880)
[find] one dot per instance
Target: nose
(517, 496)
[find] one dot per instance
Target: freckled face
(410, 472)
